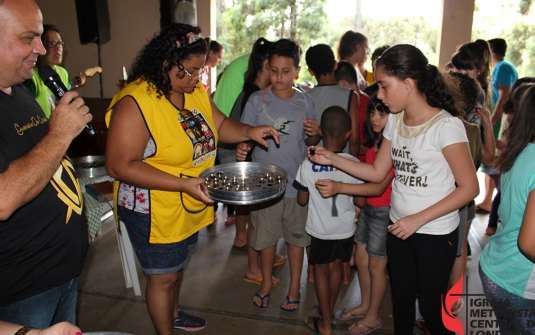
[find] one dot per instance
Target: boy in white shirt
(330, 221)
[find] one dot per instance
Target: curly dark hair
(320, 59)
(404, 61)
(286, 48)
(371, 137)
(169, 48)
(468, 90)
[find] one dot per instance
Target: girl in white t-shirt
(434, 176)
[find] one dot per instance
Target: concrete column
(455, 29)
(206, 19)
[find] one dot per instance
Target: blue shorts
(44, 309)
(155, 259)
(372, 229)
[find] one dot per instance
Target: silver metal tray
(89, 166)
(245, 183)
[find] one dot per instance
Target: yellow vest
(185, 144)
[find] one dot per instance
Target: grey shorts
(372, 229)
(279, 218)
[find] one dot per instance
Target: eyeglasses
(53, 44)
(191, 75)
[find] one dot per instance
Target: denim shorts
(155, 259)
(47, 308)
(372, 229)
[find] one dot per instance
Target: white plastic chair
(127, 259)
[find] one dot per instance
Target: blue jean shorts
(372, 229)
(155, 259)
(47, 308)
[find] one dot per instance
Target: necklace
(265, 111)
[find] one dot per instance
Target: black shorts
(327, 251)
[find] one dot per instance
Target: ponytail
(438, 92)
(404, 61)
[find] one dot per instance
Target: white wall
(133, 23)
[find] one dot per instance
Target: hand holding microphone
(54, 83)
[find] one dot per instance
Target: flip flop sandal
(335, 323)
(261, 300)
(242, 248)
(288, 302)
(280, 259)
(370, 329)
(315, 328)
(258, 281)
(338, 315)
(481, 210)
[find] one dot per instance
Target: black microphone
(54, 83)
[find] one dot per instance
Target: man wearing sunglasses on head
(54, 47)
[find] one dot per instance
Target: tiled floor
(213, 289)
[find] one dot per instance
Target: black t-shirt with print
(44, 243)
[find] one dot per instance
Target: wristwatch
(24, 330)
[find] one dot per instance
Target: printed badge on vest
(200, 134)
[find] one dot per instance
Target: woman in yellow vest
(162, 133)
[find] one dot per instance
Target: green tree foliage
(244, 21)
(241, 22)
(402, 30)
(521, 41)
(515, 25)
